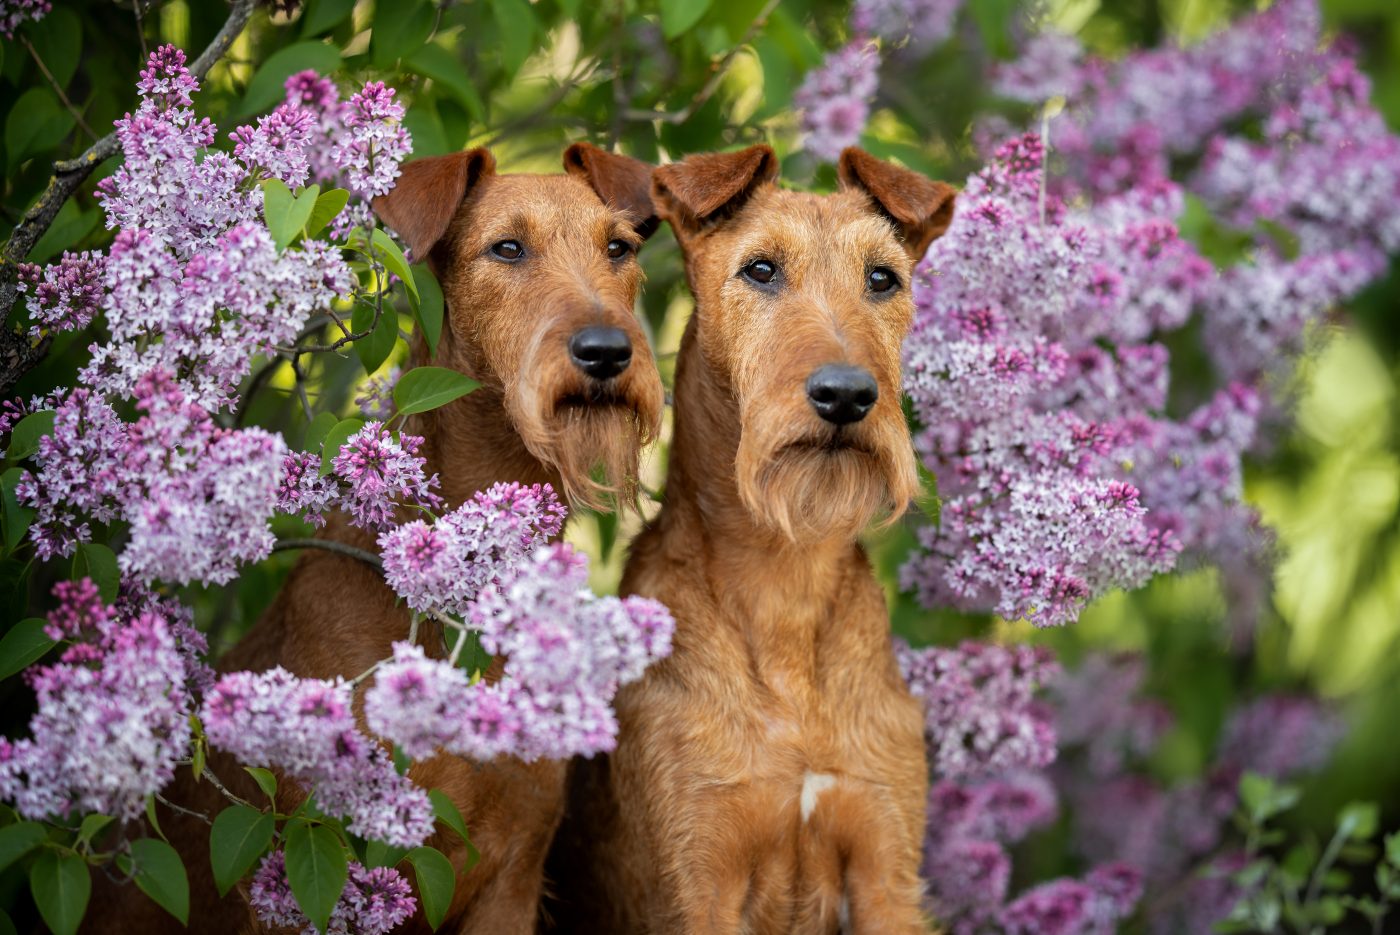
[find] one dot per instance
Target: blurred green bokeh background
(529, 78)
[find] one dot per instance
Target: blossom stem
(182, 810)
(330, 545)
(214, 781)
(58, 88)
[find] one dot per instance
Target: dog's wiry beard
(812, 488)
(593, 440)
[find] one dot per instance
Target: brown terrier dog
(770, 775)
(540, 278)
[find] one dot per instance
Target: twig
(58, 88)
(329, 545)
(17, 355)
(214, 781)
(182, 810)
(711, 85)
(358, 680)
(300, 378)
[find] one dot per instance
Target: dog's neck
(766, 577)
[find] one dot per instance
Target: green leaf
(679, 15)
(17, 516)
(401, 761)
(58, 39)
(61, 888)
(1359, 821)
(25, 436)
(337, 436)
(317, 429)
(446, 812)
(316, 869)
(94, 560)
(266, 781)
(429, 307)
(399, 30)
(266, 88)
(286, 214)
(436, 881)
(35, 123)
(239, 837)
(928, 501)
(160, 874)
(379, 854)
(18, 840)
(1284, 239)
(328, 206)
(323, 15)
(151, 815)
(425, 388)
(994, 19)
(607, 532)
(394, 261)
(442, 67)
(515, 26)
(92, 826)
(7, 925)
(374, 348)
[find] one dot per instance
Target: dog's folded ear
(429, 191)
(921, 209)
(700, 190)
(622, 182)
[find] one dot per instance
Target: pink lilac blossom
(308, 91)
(277, 147)
(378, 473)
(834, 99)
(418, 703)
(302, 490)
(374, 141)
(983, 716)
(307, 727)
(924, 23)
(66, 295)
(13, 14)
(197, 497)
(13, 411)
(374, 902)
(444, 565)
(1070, 907)
(1048, 66)
(112, 716)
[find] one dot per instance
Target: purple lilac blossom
(374, 902)
(924, 23)
(982, 714)
(66, 295)
(113, 714)
(376, 395)
(378, 472)
(13, 411)
(374, 141)
(307, 727)
(277, 146)
(1071, 907)
(308, 91)
(834, 99)
(443, 565)
(13, 13)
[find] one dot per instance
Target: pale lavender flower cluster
(197, 497)
(981, 707)
(13, 14)
(924, 23)
(567, 653)
(378, 472)
(112, 714)
(834, 99)
(66, 295)
(1107, 895)
(374, 142)
(374, 902)
(444, 565)
(1029, 361)
(307, 728)
(277, 146)
(318, 95)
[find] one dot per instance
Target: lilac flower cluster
(981, 706)
(374, 902)
(196, 496)
(374, 143)
(376, 395)
(444, 565)
(277, 146)
(112, 714)
(13, 14)
(307, 728)
(835, 99)
(923, 23)
(65, 296)
(1107, 895)
(567, 653)
(1121, 814)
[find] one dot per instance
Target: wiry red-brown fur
(535, 419)
(770, 775)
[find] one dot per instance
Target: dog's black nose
(842, 394)
(600, 351)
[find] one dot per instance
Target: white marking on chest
(813, 785)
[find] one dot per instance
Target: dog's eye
(881, 280)
(761, 271)
(617, 249)
(508, 250)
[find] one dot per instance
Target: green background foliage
(662, 79)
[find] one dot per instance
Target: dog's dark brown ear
(622, 182)
(701, 189)
(921, 209)
(429, 191)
